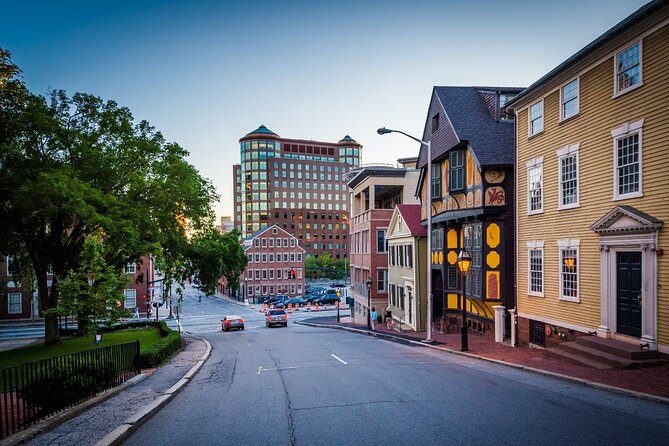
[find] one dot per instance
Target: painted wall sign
(492, 284)
(494, 196)
(493, 235)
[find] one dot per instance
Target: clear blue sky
(205, 73)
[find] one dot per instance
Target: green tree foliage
(326, 266)
(93, 291)
(78, 165)
(215, 255)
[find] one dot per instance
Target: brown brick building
(297, 185)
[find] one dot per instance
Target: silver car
(232, 321)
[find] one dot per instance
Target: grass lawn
(147, 336)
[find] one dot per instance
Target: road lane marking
(260, 369)
(338, 359)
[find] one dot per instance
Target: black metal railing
(36, 390)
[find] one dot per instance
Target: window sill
(571, 118)
(569, 206)
(535, 294)
(627, 90)
(534, 135)
(627, 196)
(575, 300)
(535, 212)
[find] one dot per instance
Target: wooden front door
(629, 293)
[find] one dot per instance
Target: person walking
(374, 316)
(136, 314)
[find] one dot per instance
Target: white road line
(259, 370)
(338, 359)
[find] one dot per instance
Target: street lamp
(464, 262)
(428, 203)
(338, 304)
(369, 302)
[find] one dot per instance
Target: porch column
(605, 280)
(649, 296)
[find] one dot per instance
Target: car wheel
(225, 329)
(242, 327)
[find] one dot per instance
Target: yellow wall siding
(599, 114)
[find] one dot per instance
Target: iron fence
(40, 389)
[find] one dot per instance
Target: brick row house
(591, 159)
(275, 265)
(18, 300)
(472, 200)
(374, 192)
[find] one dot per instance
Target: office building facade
(297, 185)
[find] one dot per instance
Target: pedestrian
(374, 316)
(389, 317)
(136, 314)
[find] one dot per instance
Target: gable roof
(411, 215)
(472, 125)
(248, 242)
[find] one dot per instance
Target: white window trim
(536, 246)
(578, 99)
(575, 245)
(624, 131)
(9, 295)
(131, 268)
(616, 92)
(535, 162)
(125, 298)
(564, 152)
(529, 119)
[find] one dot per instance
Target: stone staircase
(600, 353)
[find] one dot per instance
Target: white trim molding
(569, 245)
(616, 92)
(535, 246)
(577, 79)
(627, 130)
(566, 152)
(535, 163)
(625, 229)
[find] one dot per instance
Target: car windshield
(275, 312)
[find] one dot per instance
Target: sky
(205, 73)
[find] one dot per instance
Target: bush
(163, 349)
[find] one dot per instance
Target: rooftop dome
(262, 130)
(347, 139)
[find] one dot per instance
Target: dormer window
(503, 100)
(435, 123)
(456, 171)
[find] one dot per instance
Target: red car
(276, 317)
(229, 322)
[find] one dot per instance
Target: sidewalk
(653, 381)
(109, 419)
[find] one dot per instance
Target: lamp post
(338, 304)
(369, 302)
(464, 262)
(428, 203)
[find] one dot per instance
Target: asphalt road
(310, 386)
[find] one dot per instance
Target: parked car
(315, 290)
(279, 299)
(296, 302)
(328, 299)
(276, 317)
(338, 285)
(232, 321)
(312, 297)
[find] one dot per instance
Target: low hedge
(163, 349)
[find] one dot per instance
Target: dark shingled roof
(347, 139)
(490, 140)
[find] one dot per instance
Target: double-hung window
(568, 177)
(456, 175)
(535, 268)
(130, 298)
(627, 145)
(473, 241)
(381, 280)
(535, 186)
(569, 268)
(569, 105)
(381, 244)
(536, 119)
(628, 73)
(436, 181)
(14, 303)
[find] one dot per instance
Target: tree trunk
(51, 335)
(47, 297)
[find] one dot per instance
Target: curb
(130, 425)
(585, 382)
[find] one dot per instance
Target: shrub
(157, 353)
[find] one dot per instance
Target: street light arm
(383, 131)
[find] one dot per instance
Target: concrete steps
(603, 353)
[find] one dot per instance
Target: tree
(75, 166)
(326, 266)
(215, 255)
(95, 289)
